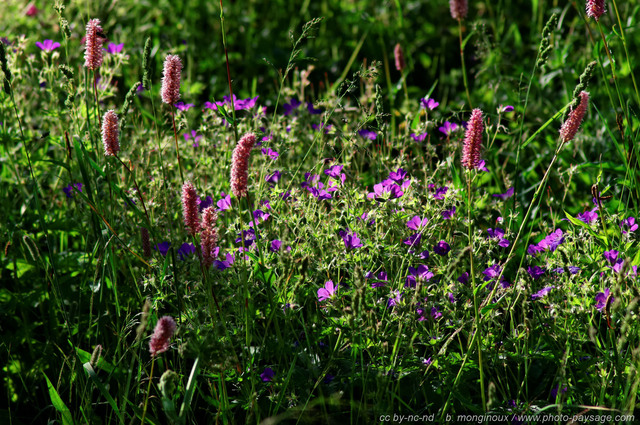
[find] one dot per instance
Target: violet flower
(441, 248)
(351, 240)
(69, 190)
(425, 102)
(448, 128)
(114, 48)
(602, 298)
(48, 45)
(367, 134)
(267, 375)
(504, 196)
(328, 291)
(541, 293)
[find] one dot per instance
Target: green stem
(464, 69)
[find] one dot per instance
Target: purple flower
(440, 192)
(498, 234)
(241, 104)
(267, 375)
(69, 190)
(611, 256)
(435, 313)
(554, 391)
(448, 128)
(163, 248)
(382, 279)
(602, 298)
(224, 203)
(541, 293)
(327, 292)
(367, 134)
(482, 166)
(312, 110)
(441, 248)
(194, 135)
(413, 240)
(416, 223)
(448, 214)
(451, 298)
(398, 176)
(322, 125)
(275, 245)
(385, 190)
(588, 216)
(394, 300)
(464, 278)
(48, 45)
(425, 102)
(291, 106)
(221, 265)
(183, 106)
(270, 153)
(504, 196)
(535, 272)
(114, 48)
(334, 171)
(552, 241)
(629, 225)
(419, 137)
(186, 249)
(507, 108)
(493, 272)
(424, 255)
(274, 177)
(351, 240)
(427, 362)
(421, 273)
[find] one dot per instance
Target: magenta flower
(113, 48)
(448, 128)
(440, 192)
(327, 292)
(596, 8)
(273, 177)
(367, 134)
(291, 106)
(240, 165)
(48, 45)
(628, 225)
(441, 248)
(224, 203)
(473, 140)
(572, 124)
(195, 136)
(183, 106)
(267, 375)
(504, 196)
(425, 102)
(273, 155)
(541, 293)
(275, 245)
(588, 216)
(164, 330)
(422, 273)
(69, 190)
(602, 299)
(351, 240)
(416, 223)
(535, 272)
(448, 214)
(419, 137)
(507, 108)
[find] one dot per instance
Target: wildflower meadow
(319, 212)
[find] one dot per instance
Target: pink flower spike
(572, 124)
(110, 133)
(164, 330)
(240, 165)
(473, 140)
(596, 8)
(190, 208)
(93, 45)
(170, 90)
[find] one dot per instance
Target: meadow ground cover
(395, 210)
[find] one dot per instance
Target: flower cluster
(240, 165)
(170, 90)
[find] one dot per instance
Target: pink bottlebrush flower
(459, 9)
(110, 133)
(146, 242)
(399, 56)
(596, 8)
(570, 127)
(240, 165)
(208, 235)
(170, 91)
(473, 140)
(93, 45)
(165, 328)
(190, 208)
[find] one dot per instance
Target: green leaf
(58, 403)
(94, 378)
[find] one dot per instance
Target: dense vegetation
(319, 211)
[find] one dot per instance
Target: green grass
(80, 297)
